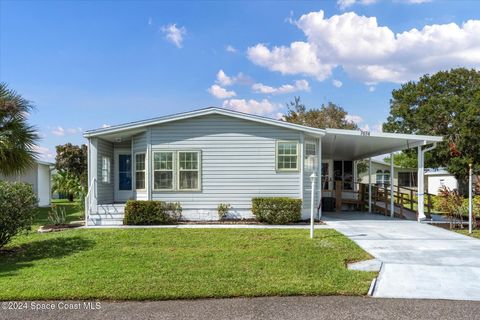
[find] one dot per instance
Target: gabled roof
(198, 113)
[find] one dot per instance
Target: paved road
(277, 308)
(418, 260)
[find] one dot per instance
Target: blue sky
(86, 64)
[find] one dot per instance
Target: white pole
(320, 183)
(470, 202)
(392, 206)
(370, 185)
(313, 177)
(421, 188)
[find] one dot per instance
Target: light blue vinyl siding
(238, 161)
(104, 190)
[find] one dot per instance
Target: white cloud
(150, 21)
(174, 34)
(58, 131)
(369, 52)
(298, 85)
(298, 58)
(375, 128)
(337, 83)
(61, 131)
(343, 4)
(263, 107)
(220, 93)
(231, 49)
(354, 118)
(44, 153)
(371, 88)
(417, 1)
(224, 80)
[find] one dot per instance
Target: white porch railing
(90, 199)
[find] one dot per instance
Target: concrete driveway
(417, 260)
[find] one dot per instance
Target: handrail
(92, 190)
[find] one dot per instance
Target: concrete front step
(111, 208)
(105, 221)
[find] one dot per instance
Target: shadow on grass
(24, 256)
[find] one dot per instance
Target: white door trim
(121, 195)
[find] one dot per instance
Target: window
(379, 178)
(188, 170)
(287, 156)
(140, 171)
(325, 176)
(105, 169)
(310, 157)
(163, 170)
(386, 178)
(407, 179)
(343, 172)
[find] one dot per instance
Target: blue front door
(123, 176)
(124, 172)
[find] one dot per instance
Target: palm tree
(67, 184)
(17, 138)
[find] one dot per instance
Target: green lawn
(143, 264)
(73, 211)
(475, 233)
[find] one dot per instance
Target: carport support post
(370, 185)
(470, 208)
(420, 183)
(392, 196)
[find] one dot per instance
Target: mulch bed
(59, 227)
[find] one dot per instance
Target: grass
(150, 264)
(475, 233)
(74, 213)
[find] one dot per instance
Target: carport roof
(354, 144)
(336, 143)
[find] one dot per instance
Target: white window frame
(106, 171)
(155, 170)
(297, 143)
(199, 170)
(310, 162)
(144, 170)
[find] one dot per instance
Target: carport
(360, 145)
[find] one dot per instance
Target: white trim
(297, 169)
(108, 170)
(134, 176)
(198, 113)
(119, 195)
(199, 170)
(173, 169)
(400, 136)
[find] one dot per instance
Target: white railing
(90, 199)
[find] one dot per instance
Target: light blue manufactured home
(210, 156)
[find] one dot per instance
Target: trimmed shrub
(152, 212)
(18, 207)
(277, 210)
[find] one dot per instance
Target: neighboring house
(437, 178)
(403, 177)
(210, 156)
(39, 176)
